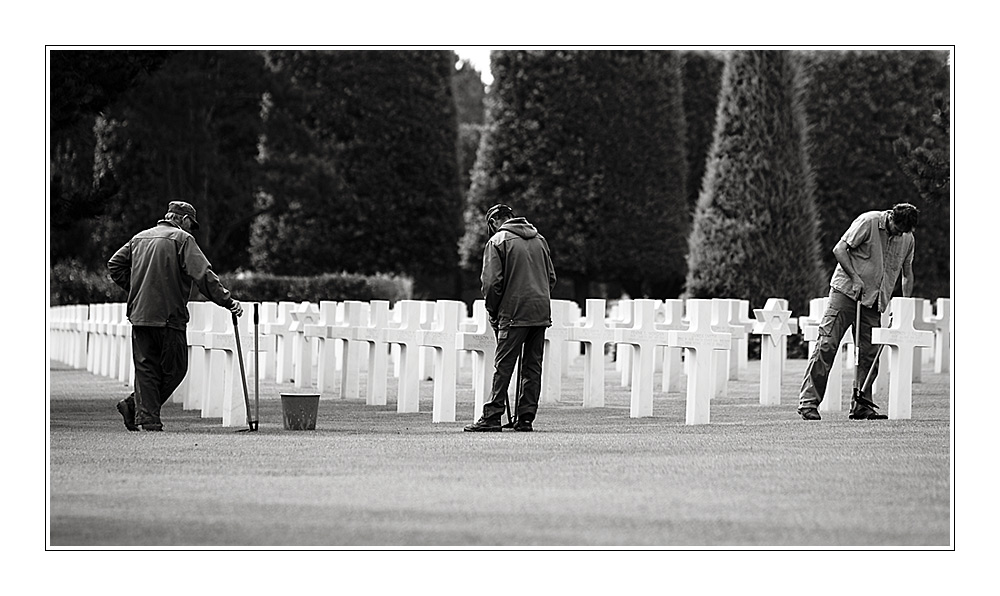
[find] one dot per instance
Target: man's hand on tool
(858, 287)
(236, 308)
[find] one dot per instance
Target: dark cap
(499, 209)
(182, 208)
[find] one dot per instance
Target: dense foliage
(377, 189)
(755, 228)
(589, 146)
(82, 84)
(859, 104)
(188, 133)
(70, 283)
(702, 79)
(331, 286)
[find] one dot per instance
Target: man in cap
(870, 256)
(157, 268)
(517, 278)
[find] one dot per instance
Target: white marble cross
(722, 322)
(373, 332)
(326, 371)
(483, 344)
(902, 338)
(942, 335)
(353, 351)
(594, 335)
(673, 320)
(305, 313)
(193, 395)
(281, 328)
(622, 318)
(268, 311)
(921, 322)
(443, 338)
(817, 308)
(773, 325)
(700, 341)
(407, 337)
(643, 336)
(556, 337)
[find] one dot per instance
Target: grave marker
(774, 326)
(280, 327)
(673, 320)
(443, 339)
(320, 332)
(305, 313)
(373, 332)
(198, 355)
(721, 309)
(700, 341)
(407, 337)
(555, 351)
(942, 335)
(902, 337)
(643, 336)
(921, 322)
(594, 335)
(483, 344)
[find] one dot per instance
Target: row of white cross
(327, 346)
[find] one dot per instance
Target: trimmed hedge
(71, 284)
(329, 286)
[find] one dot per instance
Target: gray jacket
(518, 276)
(157, 268)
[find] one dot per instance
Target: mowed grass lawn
(369, 477)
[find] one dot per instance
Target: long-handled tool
(512, 420)
(859, 390)
(256, 366)
(243, 373)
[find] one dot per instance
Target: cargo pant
(160, 357)
(509, 342)
(838, 318)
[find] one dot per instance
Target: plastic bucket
(299, 410)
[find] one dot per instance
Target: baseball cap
(183, 208)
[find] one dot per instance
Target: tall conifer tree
(755, 227)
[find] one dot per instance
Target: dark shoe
(809, 413)
(523, 426)
(484, 426)
(127, 410)
(153, 427)
(863, 408)
(867, 415)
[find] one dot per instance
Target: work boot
(483, 425)
(809, 413)
(864, 409)
(523, 426)
(153, 427)
(127, 410)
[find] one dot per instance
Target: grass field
(369, 477)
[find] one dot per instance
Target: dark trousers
(160, 356)
(838, 318)
(509, 342)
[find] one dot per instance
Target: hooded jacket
(157, 268)
(518, 276)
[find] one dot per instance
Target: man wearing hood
(517, 278)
